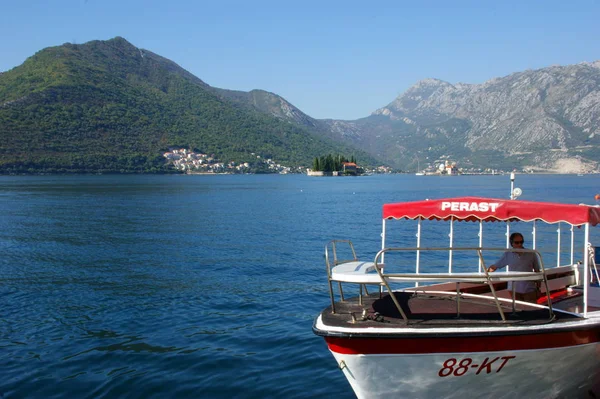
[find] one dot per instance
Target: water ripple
(173, 286)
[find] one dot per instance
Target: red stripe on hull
(425, 345)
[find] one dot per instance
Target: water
(192, 286)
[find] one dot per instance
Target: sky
(331, 59)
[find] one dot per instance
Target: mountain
(271, 104)
(540, 120)
(108, 106)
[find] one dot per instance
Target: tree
(316, 165)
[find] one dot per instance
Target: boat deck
(429, 310)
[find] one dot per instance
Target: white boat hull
(554, 360)
(570, 372)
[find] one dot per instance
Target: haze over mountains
(110, 106)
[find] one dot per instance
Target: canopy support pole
(508, 240)
(418, 250)
(451, 235)
(383, 237)
(572, 244)
(383, 255)
(586, 270)
(480, 241)
(558, 246)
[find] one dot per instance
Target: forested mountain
(108, 106)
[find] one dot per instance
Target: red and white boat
(450, 328)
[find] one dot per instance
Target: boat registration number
(457, 368)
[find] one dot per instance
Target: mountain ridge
(111, 95)
(109, 106)
(540, 120)
(543, 111)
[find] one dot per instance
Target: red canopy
(493, 209)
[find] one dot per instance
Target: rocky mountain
(538, 120)
(546, 119)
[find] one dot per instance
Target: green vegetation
(331, 163)
(109, 107)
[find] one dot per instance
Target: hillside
(539, 120)
(545, 120)
(108, 106)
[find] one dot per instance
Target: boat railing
(481, 276)
(344, 266)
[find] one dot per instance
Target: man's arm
(501, 263)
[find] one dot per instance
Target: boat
(419, 172)
(427, 320)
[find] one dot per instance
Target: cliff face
(536, 116)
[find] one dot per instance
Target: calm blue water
(192, 286)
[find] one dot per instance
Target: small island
(335, 165)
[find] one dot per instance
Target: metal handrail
(464, 277)
(334, 262)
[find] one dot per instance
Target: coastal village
(192, 162)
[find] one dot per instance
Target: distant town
(191, 162)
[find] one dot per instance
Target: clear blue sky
(332, 59)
